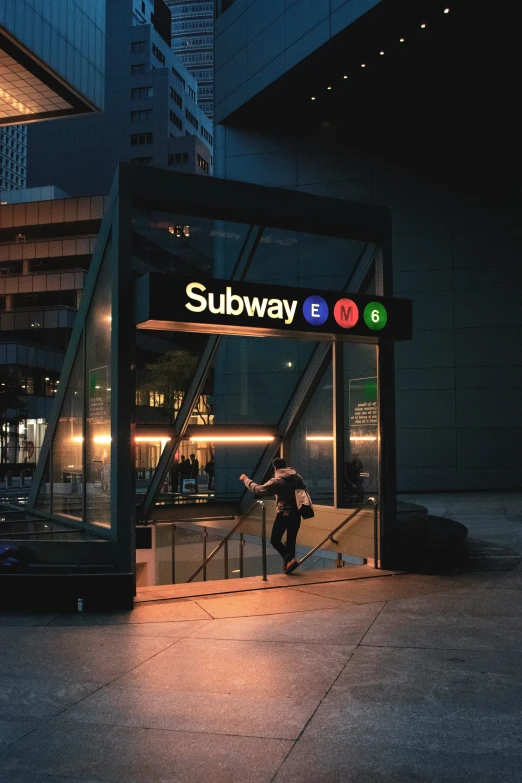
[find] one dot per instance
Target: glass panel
(43, 500)
(193, 244)
(67, 447)
(361, 447)
(311, 446)
(98, 414)
(304, 260)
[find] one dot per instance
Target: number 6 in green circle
(375, 316)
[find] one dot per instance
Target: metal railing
(224, 543)
(330, 536)
(226, 539)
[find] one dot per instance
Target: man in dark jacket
(283, 486)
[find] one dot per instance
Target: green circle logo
(375, 316)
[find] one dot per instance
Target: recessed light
(313, 97)
(328, 88)
(363, 65)
(401, 40)
(345, 77)
(446, 10)
(423, 26)
(381, 52)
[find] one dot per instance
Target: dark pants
(290, 522)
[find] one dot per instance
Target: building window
(141, 138)
(191, 93)
(178, 158)
(190, 117)
(176, 120)
(178, 76)
(141, 116)
(136, 70)
(158, 55)
(203, 164)
(206, 135)
(142, 92)
(176, 98)
(145, 161)
(138, 46)
(199, 58)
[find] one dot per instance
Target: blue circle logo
(315, 310)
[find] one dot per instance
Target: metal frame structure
(257, 207)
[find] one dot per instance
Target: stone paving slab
(242, 667)
(346, 625)
(276, 601)
(134, 755)
(281, 716)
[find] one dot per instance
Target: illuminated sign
(175, 303)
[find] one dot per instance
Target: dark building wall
(451, 185)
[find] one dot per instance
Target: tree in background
(167, 379)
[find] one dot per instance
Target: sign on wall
(174, 303)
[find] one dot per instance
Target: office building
(151, 116)
(51, 66)
(46, 244)
(13, 158)
(193, 43)
(409, 105)
(51, 59)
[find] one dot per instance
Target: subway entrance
(224, 324)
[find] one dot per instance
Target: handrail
(330, 536)
(229, 535)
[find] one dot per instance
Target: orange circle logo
(346, 313)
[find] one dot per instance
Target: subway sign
(175, 303)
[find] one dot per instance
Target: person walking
(283, 485)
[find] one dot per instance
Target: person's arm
(270, 488)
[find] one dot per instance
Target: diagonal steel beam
(190, 399)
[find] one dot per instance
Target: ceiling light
(446, 10)
(328, 88)
(401, 40)
(232, 439)
(313, 97)
(363, 65)
(423, 26)
(320, 437)
(345, 77)
(381, 52)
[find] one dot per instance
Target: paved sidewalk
(398, 679)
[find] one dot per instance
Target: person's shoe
(291, 566)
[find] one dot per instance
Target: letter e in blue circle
(315, 310)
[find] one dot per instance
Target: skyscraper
(150, 118)
(13, 157)
(51, 66)
(193, 42)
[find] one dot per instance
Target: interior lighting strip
(330, 437)
(232, 439)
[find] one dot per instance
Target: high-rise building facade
(46, 243)
(193, 42)
(151, 117)
(51, 66)
(13, 157)
(51, 59)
